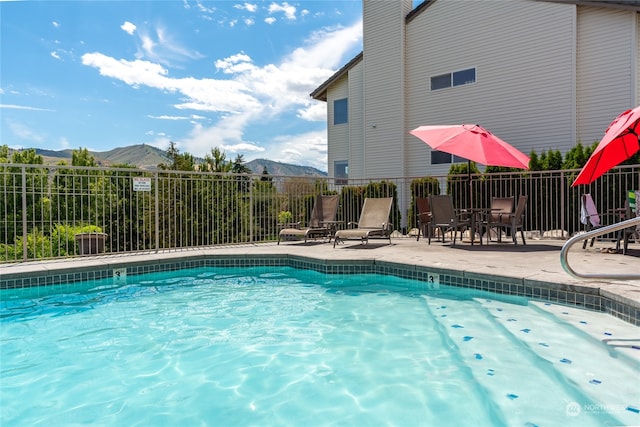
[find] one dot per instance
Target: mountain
(146, 156)
(283, 169)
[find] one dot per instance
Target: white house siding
(607, 67)
(383, 41)
(356, 121)
(525, 82)
(636, 59)
(338, 136)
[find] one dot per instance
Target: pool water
(280, 346)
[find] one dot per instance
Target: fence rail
(43, 208)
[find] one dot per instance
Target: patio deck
(534, 264)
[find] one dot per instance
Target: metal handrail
(594, 233)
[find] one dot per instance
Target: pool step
(517, 379)
(599, 370)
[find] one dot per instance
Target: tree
(216, 162)
(34, 190)
(239, 165)
(179, 162)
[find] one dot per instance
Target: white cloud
(168, 117)
(23, 107)
(204, 9)
(248, 94)
(288, 10)
(316, 111)
(243, 147)
(270, 20)
(305, 149)
(249, 22)
(55, 55)
(55, 24)
(24, 132)
(128, 28)
(159, 46)
(249, 7)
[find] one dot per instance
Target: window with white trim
(340, 111)
(440, 157)
(456, 78)
(341, 171)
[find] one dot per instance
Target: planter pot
(91, 243)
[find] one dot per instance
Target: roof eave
(320, 93)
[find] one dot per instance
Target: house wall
(346, 141)
(607, 69)
(548, 75)
(524, 54)
(338, 135)
(356, 122)
(383, 41)
(636, 59)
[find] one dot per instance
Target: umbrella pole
(469, 199)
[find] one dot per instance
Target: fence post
(251, 213)
(563, 203)
(25, 234)
(157, 214)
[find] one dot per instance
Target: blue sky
(228, 74)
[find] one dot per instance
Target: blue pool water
(280, 346)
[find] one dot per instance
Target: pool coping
(589, 296)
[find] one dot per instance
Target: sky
(203, 74)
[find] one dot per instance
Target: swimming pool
(281, 346)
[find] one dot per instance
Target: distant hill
(146, 156)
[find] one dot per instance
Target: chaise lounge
(321, 222)
(374, 222)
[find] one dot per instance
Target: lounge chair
(514, 221)
(373, 222)
(321, 223)
(501, 208)
(423, 216)
(445, 218)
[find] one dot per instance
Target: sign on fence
(141, 184)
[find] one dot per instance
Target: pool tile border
(590, 298)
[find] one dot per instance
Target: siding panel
(605, 72)
(524, 55)
(383, 40)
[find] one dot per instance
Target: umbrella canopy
(620, 141)
(474, 143)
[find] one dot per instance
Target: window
(464, 77)
(341, 171)
(440, 157)
(340, 111)
(441, 82)
(457, 78)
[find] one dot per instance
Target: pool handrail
(564, 252)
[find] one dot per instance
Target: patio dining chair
(501, 208)
(631, 210)
(445, 218)
(514, 221)
(423, 217)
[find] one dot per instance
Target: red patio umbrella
(474, 143)
(620, 141)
